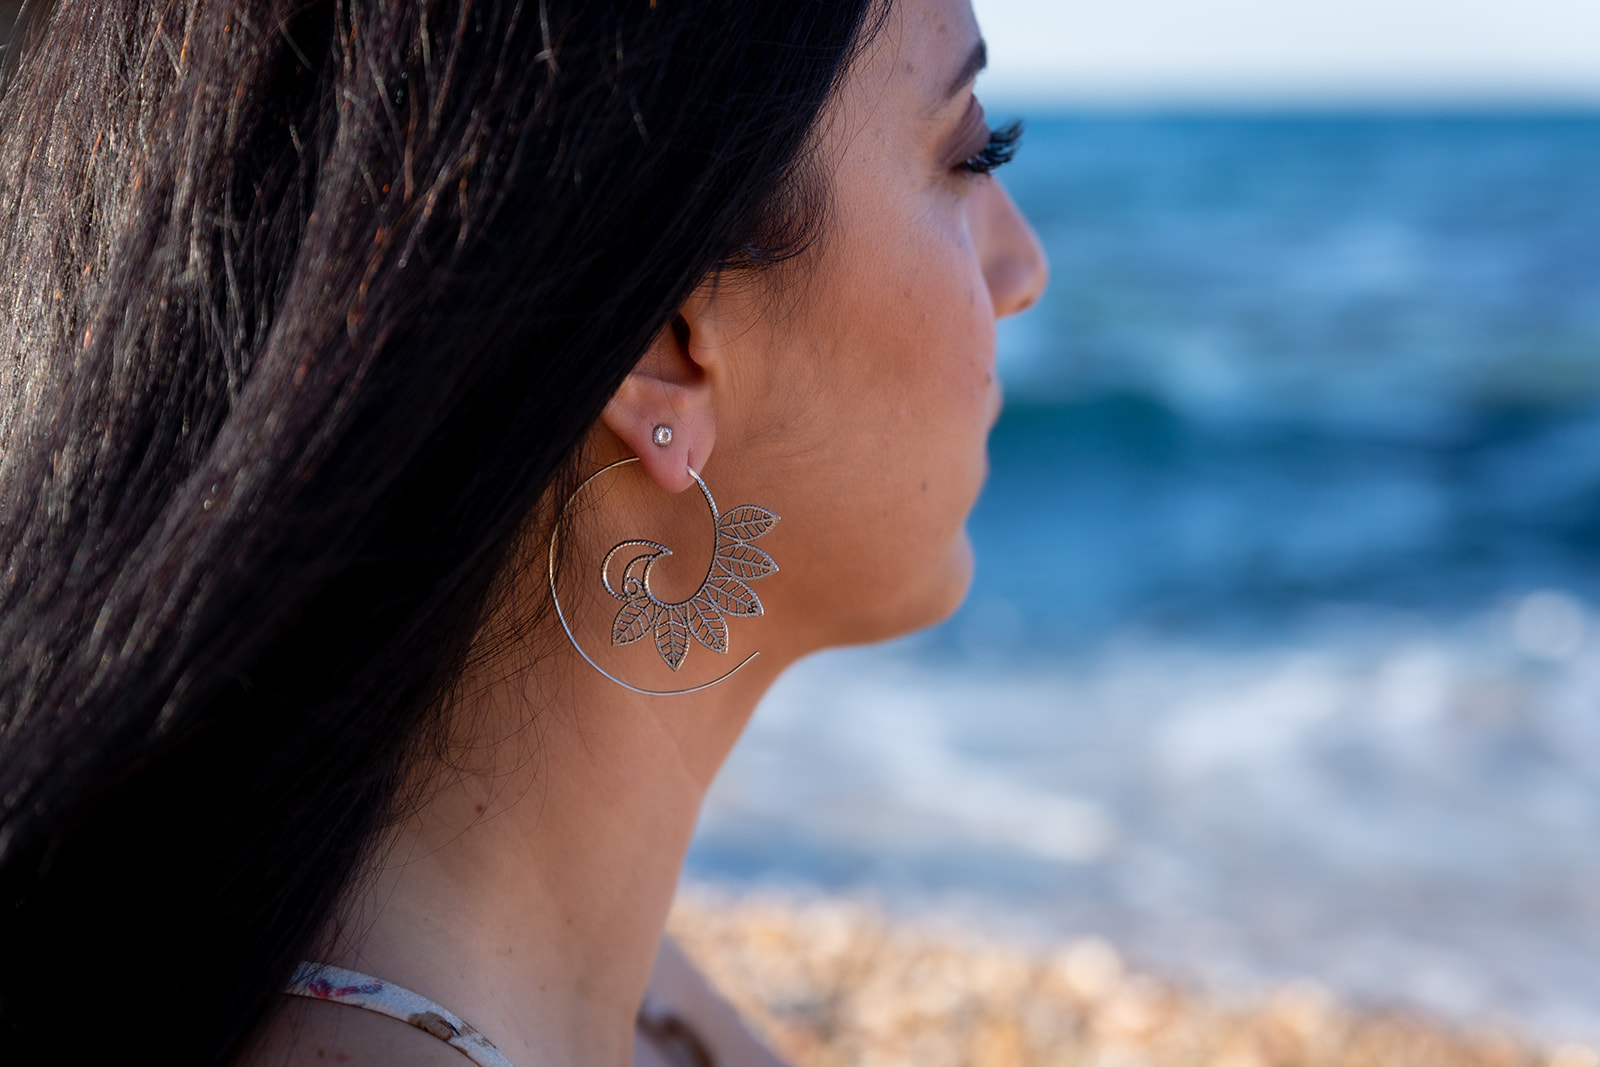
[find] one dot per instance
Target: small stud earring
(662, 437)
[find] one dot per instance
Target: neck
(528, 891)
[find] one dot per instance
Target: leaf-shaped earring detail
(731, 595)
(745, 523)
(703, 615)
(744, 561)
(637, 618)
(707, 624)
(672, 636)
(723, 591)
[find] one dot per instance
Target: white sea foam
(1403, 810)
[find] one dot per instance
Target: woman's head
(852, 392)
(316, 300)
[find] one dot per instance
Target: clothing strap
(321, 981)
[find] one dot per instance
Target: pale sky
(1288, 50)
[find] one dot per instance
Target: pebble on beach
(832, 983)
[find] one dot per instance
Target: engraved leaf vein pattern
(703, 615)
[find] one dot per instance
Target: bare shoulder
(316, 1033)
(683, 1012)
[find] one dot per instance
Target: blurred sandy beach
(832, 983)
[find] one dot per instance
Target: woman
(330, 320)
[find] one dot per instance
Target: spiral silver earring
(703, 615)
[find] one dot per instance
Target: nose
(1013, 260)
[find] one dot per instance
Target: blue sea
(1283, 655)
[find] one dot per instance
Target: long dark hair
(306, 304)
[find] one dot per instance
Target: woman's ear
(663, 410)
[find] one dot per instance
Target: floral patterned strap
(319, 981)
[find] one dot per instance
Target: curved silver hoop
(701, 616)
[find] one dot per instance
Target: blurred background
(1283, 656)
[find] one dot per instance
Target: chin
(957, 582)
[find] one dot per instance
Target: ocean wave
(1403, 809)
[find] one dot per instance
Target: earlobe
(663, 412)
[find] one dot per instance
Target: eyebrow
(969, 70)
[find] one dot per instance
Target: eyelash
(1000, 150)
